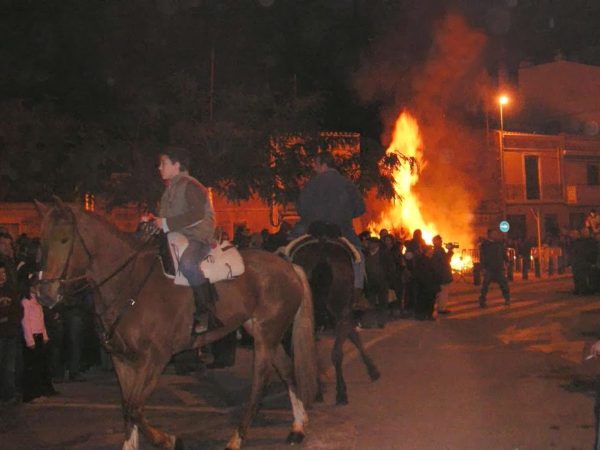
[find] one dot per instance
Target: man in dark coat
(492, 255)
(331, 198)
(441, 261)
(427, 279)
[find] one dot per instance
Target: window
(532, 178)
(592, 175)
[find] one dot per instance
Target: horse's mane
(110, 228)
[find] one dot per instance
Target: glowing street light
(502, 100)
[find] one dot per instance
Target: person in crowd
(427, 281)
(278, 239)
(11, 314)
(441, 262)
(492, 254)
(414, 248)
(592, 223)
(186, 207)
(394, 272)
(524, 247)
(37, 379)
(65, 328)
(378, 263)
(331, 198)
(7, 256)
(241, 236)
(582, 256)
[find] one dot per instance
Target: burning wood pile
(408, 214)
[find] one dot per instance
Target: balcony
(583, 194)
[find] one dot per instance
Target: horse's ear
(41, 208)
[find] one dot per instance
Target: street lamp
(502, 100)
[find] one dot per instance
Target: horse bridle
(63, 281)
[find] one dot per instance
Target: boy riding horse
(185, 207)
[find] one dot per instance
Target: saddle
(224, 262)
(307, 239)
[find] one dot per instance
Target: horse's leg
(342, 330)
(284, 366)
(261, 371)
(137, 382)
(357, 341)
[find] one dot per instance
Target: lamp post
(502, 100)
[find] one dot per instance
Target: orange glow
(461, 261)
(406, 213)
(503, 99)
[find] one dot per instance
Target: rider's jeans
(195, 252)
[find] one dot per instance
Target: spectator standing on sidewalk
(10, 331)
(441, 261)
(493, 257)
(592, 222)
(37, 379)
(427, 281)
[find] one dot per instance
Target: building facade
(549, 182)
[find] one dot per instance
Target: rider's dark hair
(178, 154)
(326, 158)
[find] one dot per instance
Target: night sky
(96, 88)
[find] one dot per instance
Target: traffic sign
(504, 226)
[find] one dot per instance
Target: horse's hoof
(341, 400)
(179, 444)
(295, 437)
(374, 374)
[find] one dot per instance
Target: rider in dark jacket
(329, 197)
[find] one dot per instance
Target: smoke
(444, 93)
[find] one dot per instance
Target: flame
(406, 214)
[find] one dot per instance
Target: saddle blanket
(224, 262)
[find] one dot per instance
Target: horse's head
(64, 255)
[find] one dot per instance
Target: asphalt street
(497, 378)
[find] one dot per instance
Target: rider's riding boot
(204, 317)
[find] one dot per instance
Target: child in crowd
(37, 381)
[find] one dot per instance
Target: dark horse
(327, 262)
(146, 318)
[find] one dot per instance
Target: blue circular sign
(504, 226)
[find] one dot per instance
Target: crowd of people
(405, 276)
(39, 347)
(398, 276)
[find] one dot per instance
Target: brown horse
(146, 318)
(328, 265)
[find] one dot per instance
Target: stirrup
(200, 324)
(206, 322)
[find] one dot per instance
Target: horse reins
(64, 281)
(106, 335)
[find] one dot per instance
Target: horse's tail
(303, 345)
